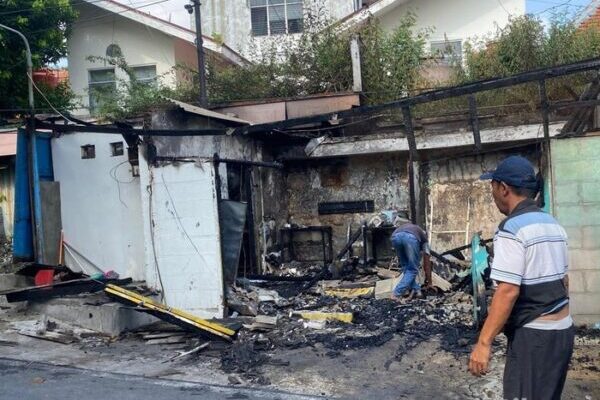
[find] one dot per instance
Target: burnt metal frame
(250, 204)
(327, 255)
(470, 89)
(539, 75)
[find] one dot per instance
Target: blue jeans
(408, 249)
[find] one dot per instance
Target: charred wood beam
(248, 162)
(412, 192)
(413, 157)
(124, 130)
(545, 114)
(465, 247)
(434, 95)
(348, 245)
(557, 105)
(580, 120)
(410, 133)
(474, 120)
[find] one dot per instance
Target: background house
(150, 45)
(249, 24)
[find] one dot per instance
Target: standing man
(410, 241)
(531, 302)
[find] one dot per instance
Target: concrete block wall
(576, 204)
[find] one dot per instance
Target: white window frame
(446, 60)
(152, 81)
(268, 7)
(91, 84)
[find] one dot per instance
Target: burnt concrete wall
(458, 204)
(381, 178)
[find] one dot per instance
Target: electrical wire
(504, 8)
(47, 101)
(178, 219)
(113, 175)
(566, 3)
(150, 191)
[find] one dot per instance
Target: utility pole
(195, 9)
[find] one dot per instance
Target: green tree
(46, 24)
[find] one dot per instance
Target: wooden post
(356, 70)
(545, 115)
(413, 163)
(474, 121)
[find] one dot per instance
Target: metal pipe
(195, 8)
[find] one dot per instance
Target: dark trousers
(536, 363)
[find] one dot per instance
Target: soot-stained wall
(382, 179)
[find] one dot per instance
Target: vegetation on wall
(392, 66)
(319, 62)
(132, 96)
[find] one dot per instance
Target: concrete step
(91, 312)
(14, 281)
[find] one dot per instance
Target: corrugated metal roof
(207, 113)
(8, 142)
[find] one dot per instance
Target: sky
(546, 8)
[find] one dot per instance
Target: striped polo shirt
(530, 250)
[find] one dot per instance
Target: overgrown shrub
(319, 62)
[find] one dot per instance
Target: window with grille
(447, 50)
(102, 86)
(145, 74)
(276, 17)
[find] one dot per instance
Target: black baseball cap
(515, 171)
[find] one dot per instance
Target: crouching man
(410, 241)
(531, 302)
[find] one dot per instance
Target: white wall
(181, 230)
(140, 45)
(100, 204)
(456, 19)
(231, 20)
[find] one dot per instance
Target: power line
(564, 4)
(46, 99)
(556, 3)
(504, 8)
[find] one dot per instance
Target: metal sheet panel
(233, 219)
(186, 239)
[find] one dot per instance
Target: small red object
(44, 277)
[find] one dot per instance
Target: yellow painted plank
(183, 316)
(349, 293)
(321, 316)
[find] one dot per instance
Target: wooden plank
(545, 114)
(410, 133)
(433, 95)
(385, 273)
(170, 314)
(385, 288)
(168, 340)
(474, 120)
(350, 292)
(324, 316)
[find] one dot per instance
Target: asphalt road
(37, 381)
